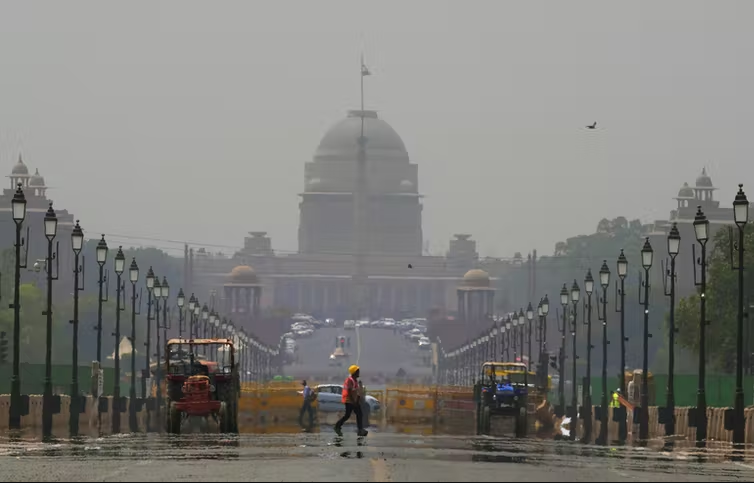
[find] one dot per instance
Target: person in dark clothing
(351, 398)
(307, 405)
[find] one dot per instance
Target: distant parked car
(329, 399)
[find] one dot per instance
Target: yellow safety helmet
(353, 369)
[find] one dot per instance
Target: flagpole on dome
(364, 72)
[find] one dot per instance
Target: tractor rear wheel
(485, 420)
(228, 415)
(174, 419)
(233, 420)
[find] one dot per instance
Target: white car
(349, 325)
(424, 343)
(329, 399)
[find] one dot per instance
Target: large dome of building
(331, 178)
(341, 142)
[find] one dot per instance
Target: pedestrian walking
(351, 398)
(309, 396)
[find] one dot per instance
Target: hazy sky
(192, 120)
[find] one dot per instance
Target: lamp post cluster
(506, 335)
(254, 358)
(509, 337)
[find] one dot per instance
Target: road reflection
(407, 443)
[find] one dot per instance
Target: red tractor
(202, 383)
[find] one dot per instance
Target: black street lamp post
(561, 362)
(505, 340)
(191, 307)
(604, 282)
(620, 292)
(180, 302)
(18, 205)
(646, 262)
(529, 319)
(150, 279)
(197, 317)
(575, 295)
(493, 338)
(102, 298)
(540, 324)
(101, 259)
(674, 246)
(205, 318)
(157, 292)
(741, 217)
(165, 294)
(514, 335)
(701, 230)
(77, 243)
(508, 337)
(588, 288)
(545, 311)
(521, 332)
(212, 324)
(120, 264)
(51, 230)
(133, 275)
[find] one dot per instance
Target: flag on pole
(364, 68)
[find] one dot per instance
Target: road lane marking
(379, 468)
(118, 472)
(743, 465)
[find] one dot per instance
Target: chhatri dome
(37, 180)
(242, 275)
(20, 169)
(476, 278)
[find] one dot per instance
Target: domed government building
(348, 266)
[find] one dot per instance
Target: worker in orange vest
(351, 397)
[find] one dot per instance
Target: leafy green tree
(722, 302)
(573, 257)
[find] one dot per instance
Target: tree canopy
(162, 264)
(34, 303)
(571, 260)
(722, 302)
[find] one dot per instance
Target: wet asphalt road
(325, 457)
